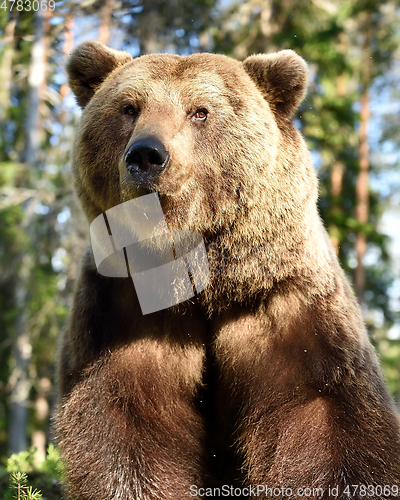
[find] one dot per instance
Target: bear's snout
(145, 159)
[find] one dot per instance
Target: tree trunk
(42, 410)
(338, 167)
(106, 13)
(36, 79)
(336, 191)
(67, 49)
(41, 112)
(149, 26)
(20, 382)
(6, 68)
(362, 191)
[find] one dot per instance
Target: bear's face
(206, 132)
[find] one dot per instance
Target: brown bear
(265, 383)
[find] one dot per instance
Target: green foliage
(23, 468)
(26, 461)
(22, 461)
(19, 488)
(28, 241)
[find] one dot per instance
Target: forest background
(350, 120)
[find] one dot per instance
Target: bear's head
(207, 132)
(211, 135)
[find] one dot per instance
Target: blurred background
(351, 121)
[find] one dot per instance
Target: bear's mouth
(143, 190)
(131, 188)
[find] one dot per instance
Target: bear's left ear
(89, 65)
(281, 77)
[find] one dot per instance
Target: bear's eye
(130, 110)
(200, 115)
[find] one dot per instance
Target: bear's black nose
(146, 159)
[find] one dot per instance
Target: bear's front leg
(300, 385)
(129, 429)
(128, 423)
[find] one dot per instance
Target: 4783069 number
(28, 5)
(370, 490)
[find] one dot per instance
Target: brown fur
(267, 377)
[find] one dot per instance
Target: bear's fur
(265, 378)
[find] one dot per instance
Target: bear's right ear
(88, 66)
(281, 77)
